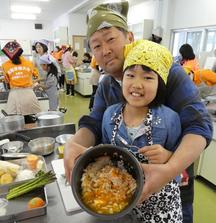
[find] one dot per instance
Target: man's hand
(74, 147)
(156, 154)
(71, 152)
(156, 177)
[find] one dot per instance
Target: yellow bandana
(150, 54)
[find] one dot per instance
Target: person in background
(41, 47)
(20, 74)
(62, 76)
(107, 35)
(155, 38)
(206, 76)
(86, 58)
(94, 80)
(75, 58)
(34, 54)
(51, 82)
(188, 57)
(68, 63)
(57, 53)
(142, 121)
(204, 79)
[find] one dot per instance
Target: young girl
(51, 81)
(68, 64)
(145, 126)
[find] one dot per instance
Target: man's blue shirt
(182, 97)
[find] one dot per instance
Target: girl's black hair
(68, 49)
(52, 70)
(87, 55)
(75, 54)
(33, 48)
(16, 60)
(45, 48)
(58, 48)
(161, 91)
(161, 94)
(187, 52)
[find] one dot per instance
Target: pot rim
(60, 114)
(133, 202)
(52, 143)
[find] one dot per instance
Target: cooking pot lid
(48, 116)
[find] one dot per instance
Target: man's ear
(131, 37)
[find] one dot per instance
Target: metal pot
(116, 153)
(12, 147)
(42, 145)
(50, 118)
(62, 139)
(12, 123)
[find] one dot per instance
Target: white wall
(20, 29)
(76, 24)
(62, 20)
(193, 13)
(178, 14)
(139, 12)
(167, 14)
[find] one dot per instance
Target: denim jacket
(166, 128)
(182, 97)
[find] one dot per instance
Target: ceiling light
(23, 16)
(25, 9)
(32, 0)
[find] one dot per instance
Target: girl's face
(39, 49)
(44, 67)
(139, 86)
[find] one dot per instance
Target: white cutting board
(68, 199)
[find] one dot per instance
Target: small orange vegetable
(32, 161)
(36, 202)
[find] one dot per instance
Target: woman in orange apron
(19, 74)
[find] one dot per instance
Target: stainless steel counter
(55, 209)
(39, 94)
(56, 212)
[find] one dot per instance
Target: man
(107, 35)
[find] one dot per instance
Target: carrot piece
(36, 202)
(32, 161)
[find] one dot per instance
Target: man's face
(107, 45)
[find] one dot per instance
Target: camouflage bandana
(107, 15)
(143, 52)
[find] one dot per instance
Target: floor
(205, 194)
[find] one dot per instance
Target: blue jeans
(187, 209)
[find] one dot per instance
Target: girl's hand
(156, 154)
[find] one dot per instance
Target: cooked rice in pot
(106, 188)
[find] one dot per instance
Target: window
(194, 39)
(179, 39)
(201, 39)
(211, 41)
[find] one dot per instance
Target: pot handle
(4, 112)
